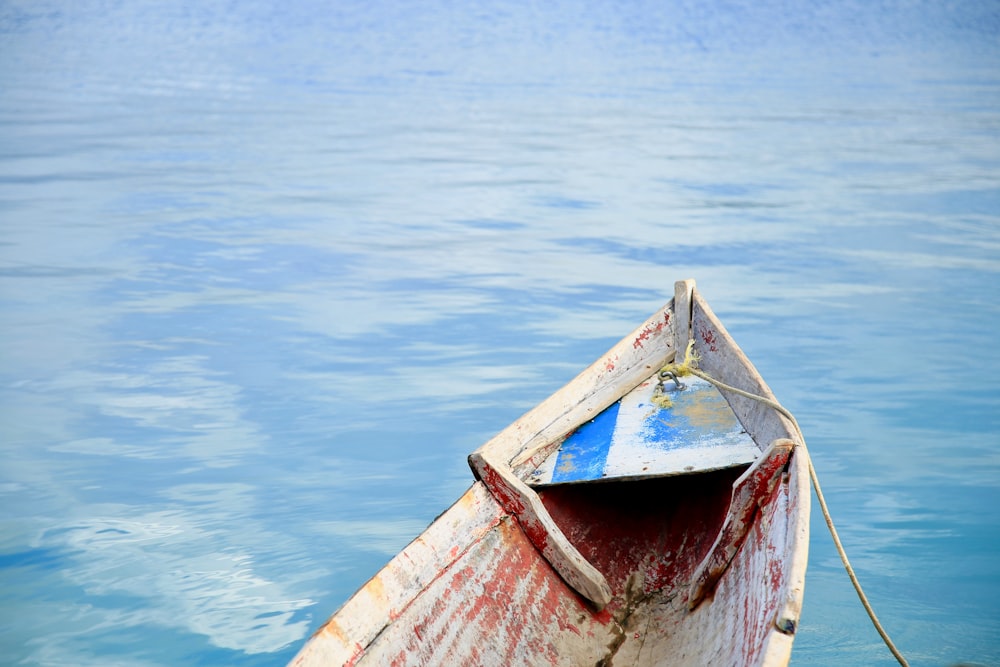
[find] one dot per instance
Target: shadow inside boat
(645, 536)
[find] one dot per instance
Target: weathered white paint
(750, 492)
(721, 358)
(479, 586)
(521, 501)
(683, 294)
(796, 549)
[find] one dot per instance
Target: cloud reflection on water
(185, 572)
(269, 275)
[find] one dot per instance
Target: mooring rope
(689, 367)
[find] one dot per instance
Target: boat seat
(662, 427)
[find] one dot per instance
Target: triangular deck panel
(639, 436)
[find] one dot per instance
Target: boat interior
(645, 536)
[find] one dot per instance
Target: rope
(689, 367)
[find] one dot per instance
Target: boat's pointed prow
(663, 426)
(624, 418)
(691, 549)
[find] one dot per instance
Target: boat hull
(474, 590)
(703, 567)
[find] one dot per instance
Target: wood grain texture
(521, 501)
(683, 294)
(750, 492)
(721, 358)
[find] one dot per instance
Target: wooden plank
(520, 500)
(797, 543)
(683, 293)
(721, 358)
(750, 492)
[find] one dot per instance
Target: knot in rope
(685, 367)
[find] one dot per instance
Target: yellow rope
(689, 367)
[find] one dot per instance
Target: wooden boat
(623, 521)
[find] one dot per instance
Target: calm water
(268, 273)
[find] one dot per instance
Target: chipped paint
(648, 332)
(750, 492)
(709, 338)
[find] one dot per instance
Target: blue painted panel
(636, 437)
(584, 452)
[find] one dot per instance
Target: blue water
(268, 272)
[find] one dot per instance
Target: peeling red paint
(660, 528)
(512, 502)
(603, 617)
(753, 493)
(359, 652)
(710, 338)
(650, 331)
(777, 573)
(515, 608)
(536, 534)
(641, 338)
(506, 496)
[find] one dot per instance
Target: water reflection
(267, 276)
(180, 571)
